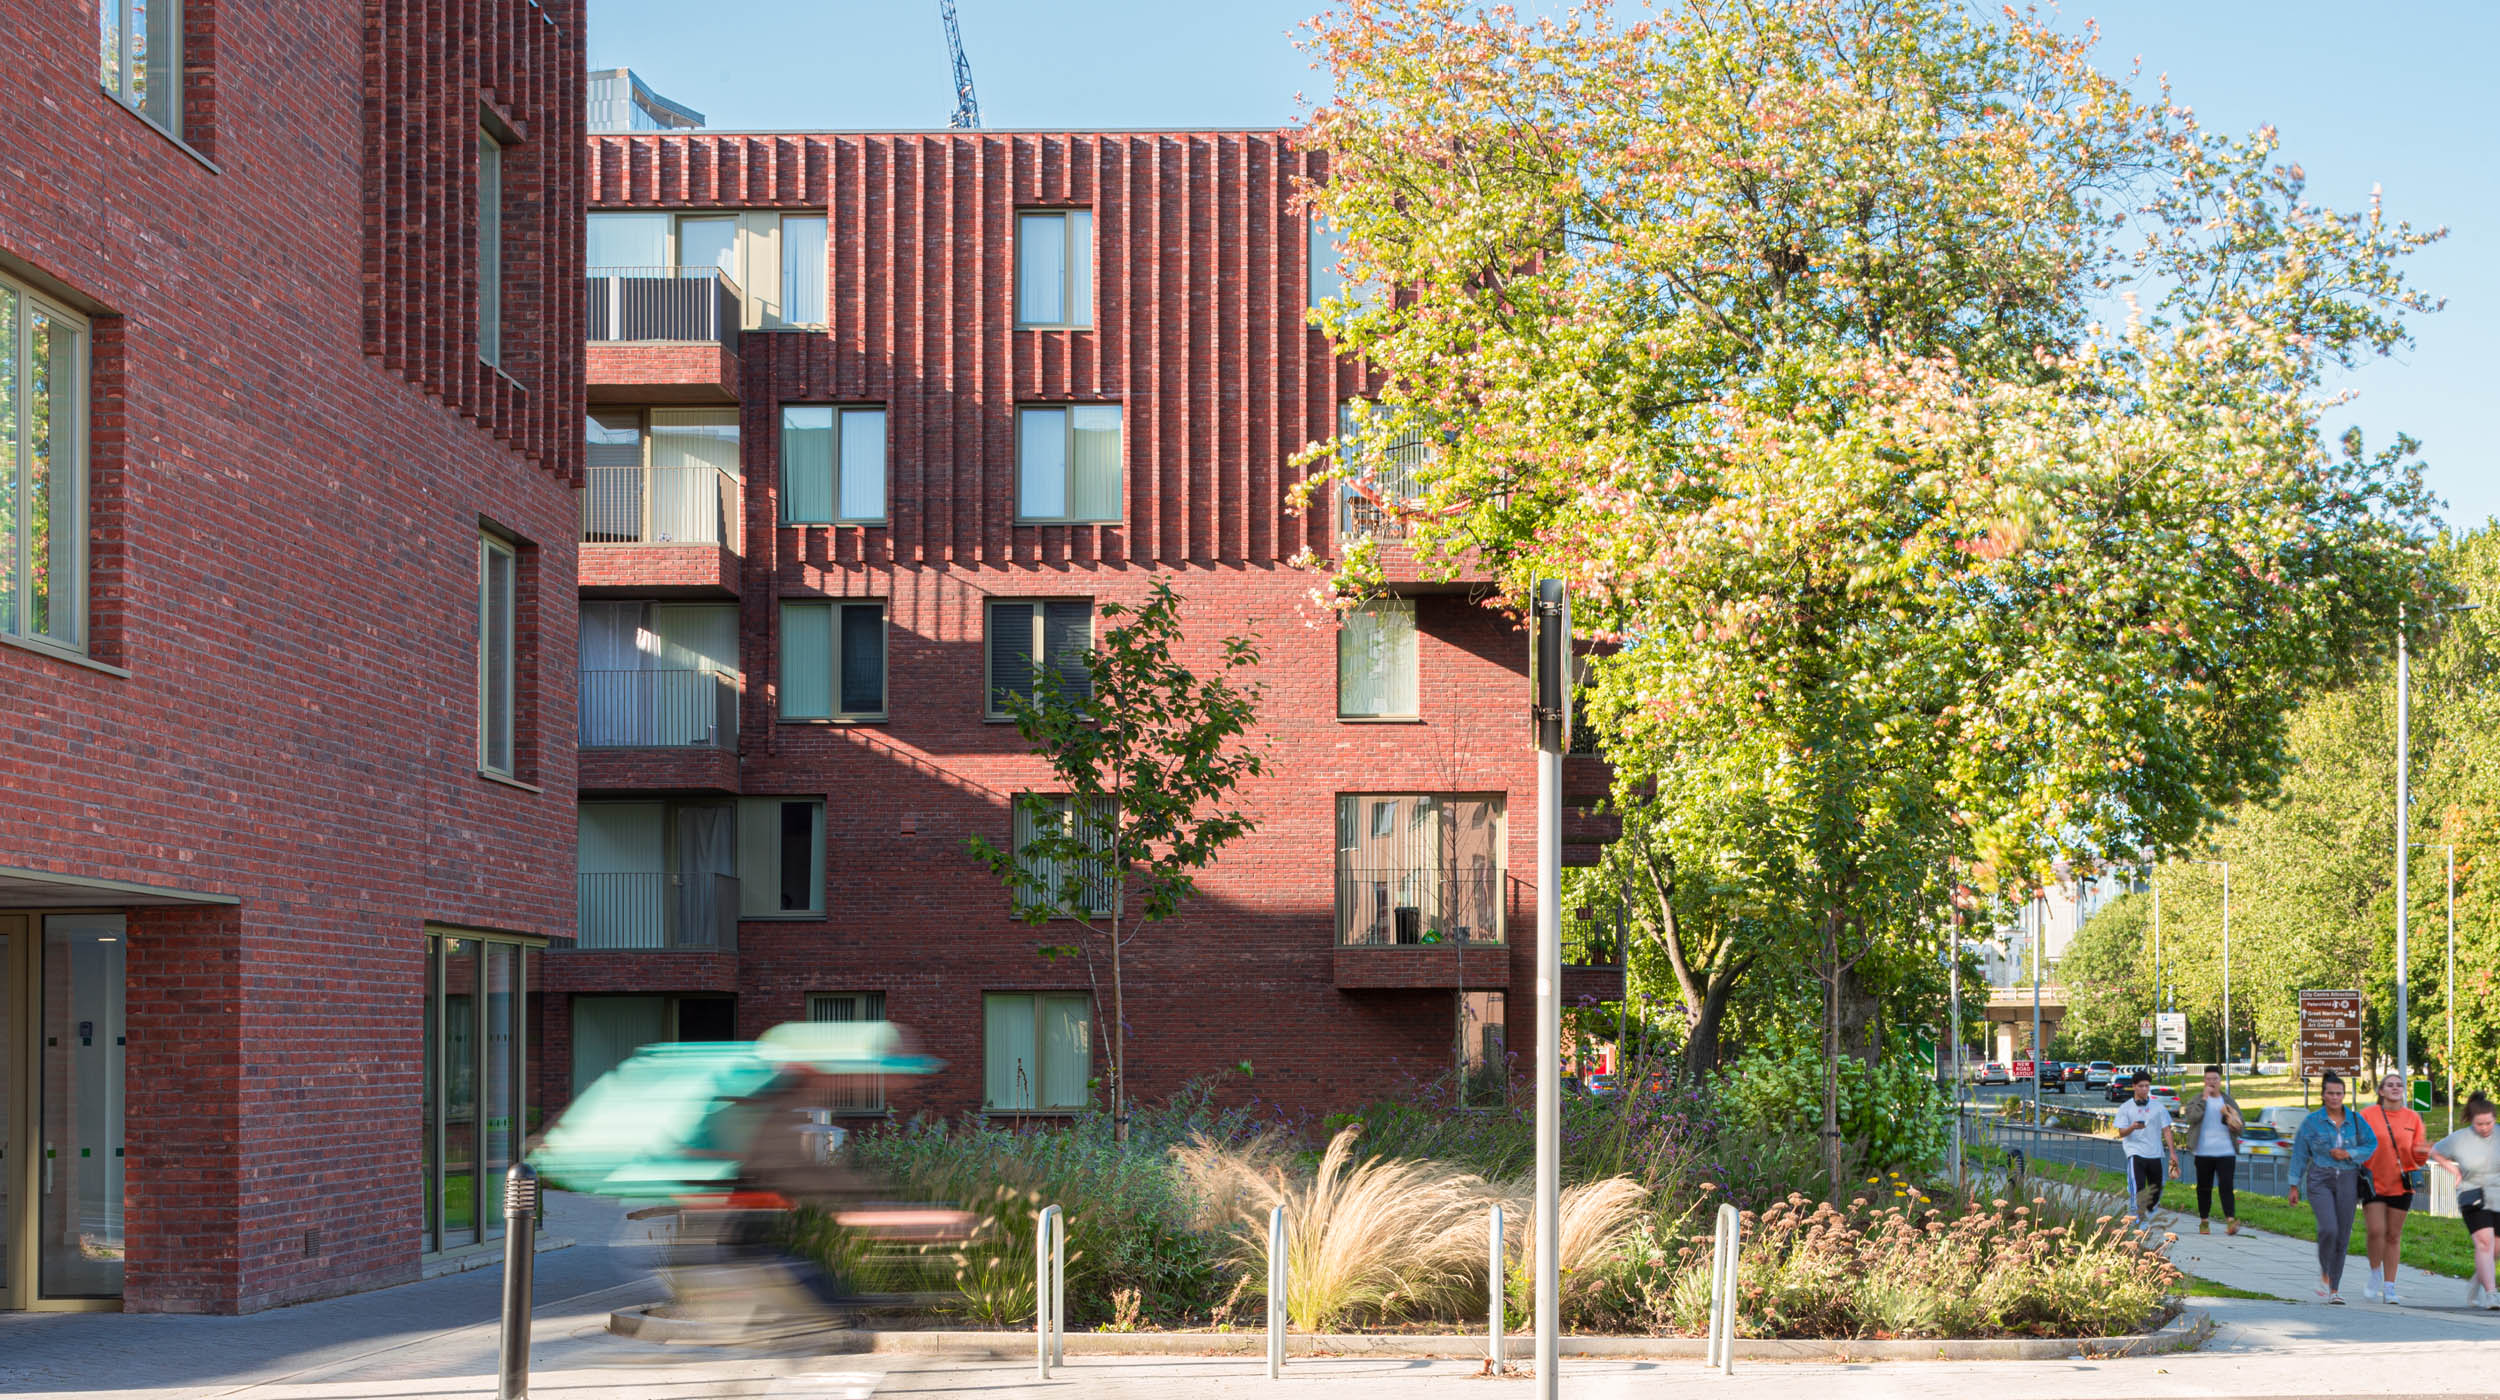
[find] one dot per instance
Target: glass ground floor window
(479, 1064)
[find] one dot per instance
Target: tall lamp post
(2404, 817)
(2226, 956)
(1549, 665)
(2451, 850)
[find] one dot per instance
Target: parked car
(2097, 1074)
(2262, 1139)
(2166, 1094)
(1604, 1086)
(2285, 1121)
(2074, 1071)
(2052, 1077)
(1995, 1072)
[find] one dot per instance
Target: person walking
(2327, 1154)
(2212, 1122)
(2388, 1181)
(2144, 1130)
(2472, 1155)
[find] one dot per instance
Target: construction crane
(967, 107)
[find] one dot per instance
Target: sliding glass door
(478, 1067)
(63, 1048)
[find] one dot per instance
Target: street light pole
(1551, 662)
(2452, 986)
(1953, 976)
(2035, 908)
(2226, 973)
(2155, 882)
(2404, 813)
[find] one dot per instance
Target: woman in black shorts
(2472, 1153)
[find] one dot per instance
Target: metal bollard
(1725, 1241)
(520, 1252)
(1050, 1290)
(1277, 1281)
(1496, 1266)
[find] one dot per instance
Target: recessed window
(662, 476)
(489, 247)
(1036, 1051)
(1055, 268)
(498, 582)
(1327, 254)
(803, 269)
(43, 470)
(1419, 869)
(832, 465)
(140, 58)
(781, 856)
(832, 660)
(658, 675)
(1483, 1058)
(1028, 639)
(851, 1093)
(1069, 886)
(1376, 661)
(637, 244)
(1068, 464)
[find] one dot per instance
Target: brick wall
(285, 533)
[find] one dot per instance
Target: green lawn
(2433, 1243)
(2195, 1287)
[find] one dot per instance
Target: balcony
(1592, 957)
(662, 335)
(660, 531)
(1421, 927)
(654, 911)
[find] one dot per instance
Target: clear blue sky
(2391, 94)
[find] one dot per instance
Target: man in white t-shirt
(2144, 1130)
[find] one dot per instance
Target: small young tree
(1148, 754)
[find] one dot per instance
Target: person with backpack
(2388, 1181)
(2213, 1122)
(2327, 1154)
(2472, 1155)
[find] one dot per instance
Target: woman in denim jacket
(2327, 1154)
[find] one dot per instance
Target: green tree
(1772, 329)
(1149, 754)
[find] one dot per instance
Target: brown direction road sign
(2330, 1032)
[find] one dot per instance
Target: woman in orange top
(2402, 1149)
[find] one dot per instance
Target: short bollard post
(1277, 1282)
(520, 1251)
(1050, 1278)
(1496, 1266)
(1058, 1287)
(1723, 1276)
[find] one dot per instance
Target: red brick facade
(1198, 334)
(295, 445)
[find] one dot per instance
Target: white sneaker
(2473, 1295)
(2369, 1288)
(2387, 1295)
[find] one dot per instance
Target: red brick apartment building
(876, 422)
(290, 403)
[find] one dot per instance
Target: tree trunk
(1702, 1051)
(1119, 1042)
(1834, 973)
(1860, 1013)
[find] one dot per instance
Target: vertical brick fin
(427, 66)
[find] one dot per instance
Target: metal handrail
(656, 910)
(1418, 906)
(1591, 943)
(662, 304)
(660, 505)
(686, 271)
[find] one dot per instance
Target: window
(1036, 1051)
(479, 1065)
(1327, 255)
(657, 875)
(1086, 886)
(1419, 869)
(832, 465)
(1055, 267)
(852, 1093)
(498, 570)
(708, 242)
(658, 675)
(781, 856)
(489, 247)
(43, 470)
(620, 243)
(1068, 464)
(1028, 639)
(1483, 1059)
(140, 59)
(1376, 666)
(662, 476)
(832, 660)
(803, 269)
(1389, 474)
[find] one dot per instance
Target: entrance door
(61, 1026)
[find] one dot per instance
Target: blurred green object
(2421, 1096)
(669, 1119)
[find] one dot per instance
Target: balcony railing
(1367, 503)
(678, 708)
(659, 505)
(1591, 943)
(649, 909)
(1418, 907)
(663, 303)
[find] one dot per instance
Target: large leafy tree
(1776, 329)
(1149, 754)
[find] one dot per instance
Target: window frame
(885, 465)
(1076, 273)
(817, 856)
(1036, 998)
(17, 475)
(672, 242)
(781, 257)
(1067, 410)
(1497, 898)
(490, 251)
(867, 1099)
(492, 545)
(436, 1092)
(885, 661)
(1039, 606)
(1414, 631)
(1064, 804)
(124, 87)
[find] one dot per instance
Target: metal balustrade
(664, 304)
(656, 910)
(1419, 907)
(679, 707)
(659, 505)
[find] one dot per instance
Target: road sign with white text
(2170, 1033)
(2330, 1033)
